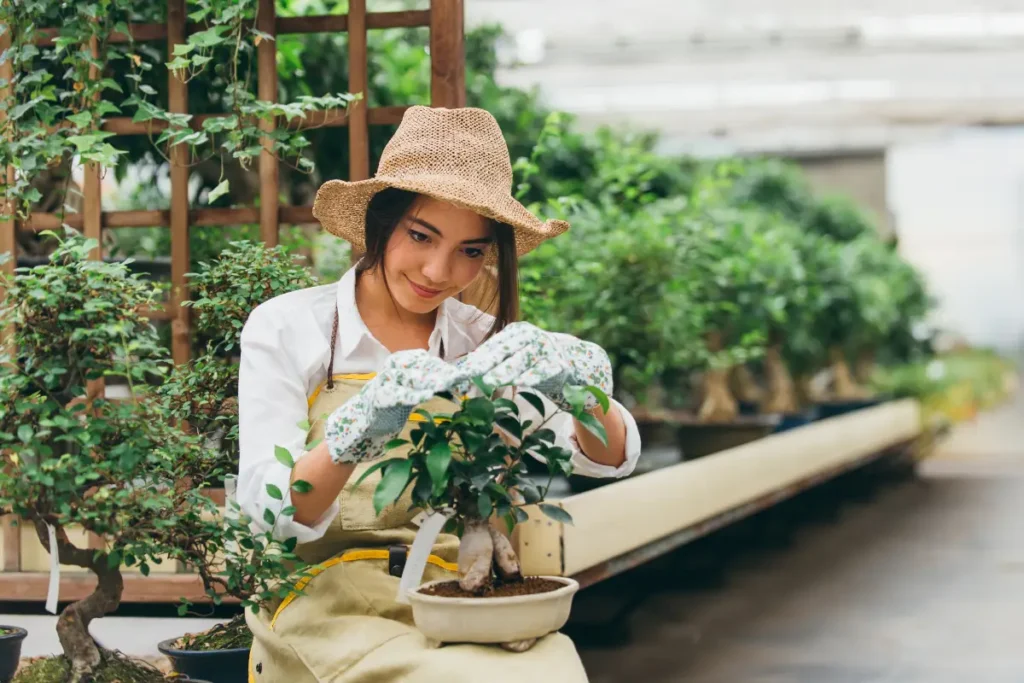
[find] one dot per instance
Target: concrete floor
(916, 582)
(923, 582)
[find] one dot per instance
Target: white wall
(958, 205)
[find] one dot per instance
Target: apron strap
(334, 342)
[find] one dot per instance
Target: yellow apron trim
(350, 556)
(359, 377)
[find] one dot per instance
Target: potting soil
(115, 668)
(528, 586)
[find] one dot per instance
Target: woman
(354, 358)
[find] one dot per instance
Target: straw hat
(455, 155)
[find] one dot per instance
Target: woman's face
(435, 252)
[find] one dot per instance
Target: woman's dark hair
(390, 205)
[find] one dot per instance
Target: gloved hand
(358, 430)
(523, 355)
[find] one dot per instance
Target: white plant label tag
(54, 589)
(416, 563)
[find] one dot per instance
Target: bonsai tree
(643, 319)
(463, 465)
(70, 458)
(204, 393)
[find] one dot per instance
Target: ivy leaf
(82, 119)
(219, 191)
(394, 481)
(556, 513)
(25, 433)
(284, 456)
(274, 492)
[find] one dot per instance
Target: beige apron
(346, 627)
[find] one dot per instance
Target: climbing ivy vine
(56, 104)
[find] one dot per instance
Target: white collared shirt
(285, 353)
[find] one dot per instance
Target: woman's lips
(423, 291)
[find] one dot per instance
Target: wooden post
(92, 212)
(10, 539)
(447, 54)
(358, 123)
(266, 57)
(177, 95)
(8, 239)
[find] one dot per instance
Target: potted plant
(10, 651)
(729, 256)
(250, 568)
(461, 465)
(69, 458)
(642, 318)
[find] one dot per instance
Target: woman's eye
(418, 236)
(473, 252)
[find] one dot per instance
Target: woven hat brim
(341, 207)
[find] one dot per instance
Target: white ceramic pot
(492, 620)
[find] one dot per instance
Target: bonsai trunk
(481, 549)
(744, 386)
(865, 367)
(718, 404)
(781, 391)
(844, 385)
(73, 624)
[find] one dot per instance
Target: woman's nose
(437, 269)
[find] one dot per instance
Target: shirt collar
(352, 330)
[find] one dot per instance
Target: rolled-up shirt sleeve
(271, 407)
(564, 427)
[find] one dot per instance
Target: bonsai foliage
(204, 393)
(69, 458)
(617, 283)
(470, 464)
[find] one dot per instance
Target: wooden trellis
(22, 569)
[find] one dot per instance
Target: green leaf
(438, 458)
(373, 468)
(511, 425)
(521, 515)
(395, 443)
(485, 388)
(81, 119)
(289, 511)
(480, 409)
(535, 401)
(301, 486)
(484, 505)
(594, 426)
(602, 398)
(394, 481)
(274, 492)
(510, 522)
(219, 191)
(25, 433)
(304, 425)
(556, 513)
(144, 569)
(284, 456)
(268, 517)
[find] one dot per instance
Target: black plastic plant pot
(829, 409)
(214, 666)
(749, 407)
(10, 651)
(793, 420)
(698, 439)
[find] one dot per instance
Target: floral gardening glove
(525, 356)
(359, 429)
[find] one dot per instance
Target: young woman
(354, 358)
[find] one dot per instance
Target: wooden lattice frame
(447, 89)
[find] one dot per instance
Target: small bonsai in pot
(470, 466)
(72, 459)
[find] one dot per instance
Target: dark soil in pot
(530, 585)
(10, 651)
(697, 439)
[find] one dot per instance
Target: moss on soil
(233, 634)
(116, 668)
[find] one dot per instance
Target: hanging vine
(56, 105)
